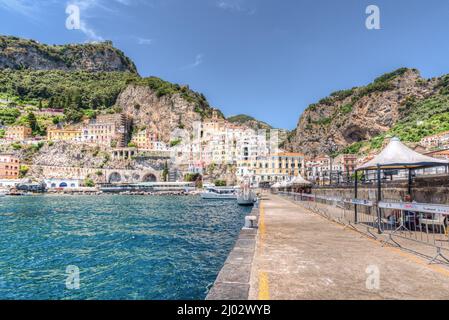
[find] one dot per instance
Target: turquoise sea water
(125, 247)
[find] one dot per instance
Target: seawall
(233, 281)
(424, 190)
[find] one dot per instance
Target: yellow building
(278, 167)
(18, 133)
(64, 134)
(145, 139)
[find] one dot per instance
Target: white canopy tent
(395, 156)
(285, 184)
(299, 180)
(277, 185)
(398, 156)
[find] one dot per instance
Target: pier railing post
(379, 199)
(356, 183)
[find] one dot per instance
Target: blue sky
(266, 58)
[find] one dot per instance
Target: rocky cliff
(165, 113)
(86, 79)
(16, 53)
(360, 114)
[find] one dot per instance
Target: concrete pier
(300, 255)
(233, 281)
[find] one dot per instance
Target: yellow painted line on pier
(264, 289)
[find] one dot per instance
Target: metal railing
(425, 225)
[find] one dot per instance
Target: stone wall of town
(424, 190)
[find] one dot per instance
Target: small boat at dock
(217, 193)
(246, 199)
(246, 196)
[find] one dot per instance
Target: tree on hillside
(32, 121)
(72, 115)
(165, 172)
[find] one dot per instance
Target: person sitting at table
(393, 217)
(410, 217)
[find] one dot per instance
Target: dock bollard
(250, 222)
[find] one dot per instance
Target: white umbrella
(284, 184)
(276, 185)
(398, 156)
(299, 180)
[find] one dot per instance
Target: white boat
(246, 197)
(219, 194)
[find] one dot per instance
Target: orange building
(9, 166)
(18, 133)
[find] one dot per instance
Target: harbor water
(124, 247)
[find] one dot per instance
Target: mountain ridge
(18, 53)
(249, 121)
(359, 119)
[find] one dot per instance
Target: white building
(9, 183)
(62, 183)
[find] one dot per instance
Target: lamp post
(331, 150)
(379, 199)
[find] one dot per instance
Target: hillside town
(232, 151)
(253, 155)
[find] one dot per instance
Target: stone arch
(149, 177)
(115, 177)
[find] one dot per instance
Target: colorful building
(9, 166)
(122, 126)
(18, 133)
(282, 166)
(317, 169)
(345, 165)
(437, 140)
(107, 130)
(99, 133)
(64, 134)
(145, 139)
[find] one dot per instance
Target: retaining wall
(424, 190)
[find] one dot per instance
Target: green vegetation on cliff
(420, 118)
(60, 89)
(382, 83)
(79, 93)
(243, 119)
(35, 55)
